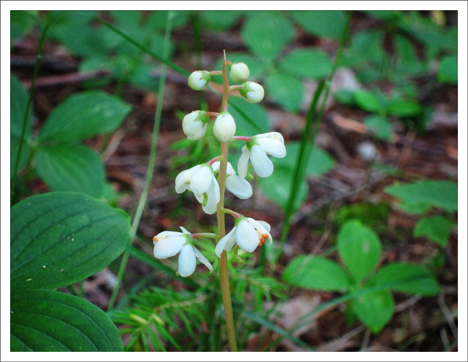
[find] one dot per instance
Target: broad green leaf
(277, 187)
(417, 208)
(406, 278)
(18, 105)
(370, 214)
(70, 168)
(403, 108)
(374, 309)
(287, 91)
(320, 162)
(359, 248)
(21, 22)
(60, 238)
(219, 20)
(49, 321)
(442, 194)
(380, 126)
(242, 111)
(368, 101)
(448, 70)
(385, 14)
(266, 34)
(313, 64)
(364, 46)
(408, 61)
(84, 115)
(158, 19)
(324, 24)
(315, 272)
(345, 96)
(436, 228)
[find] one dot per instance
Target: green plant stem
(151, 162)
(308, 140)
(40, 45)
(223, 263)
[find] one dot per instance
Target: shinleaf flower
(237, 185)
(247, 233)
(169, 243)
(194, 125)
(201, 181)
(257, 149)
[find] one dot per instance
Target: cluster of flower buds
(203, 182)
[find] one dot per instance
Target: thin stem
(233, 213)
(151, 162)
(40, 45)
(223, 263)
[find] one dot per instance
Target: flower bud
(239, 72)
(194, 125)
(199, 79)
(224, 127)
(252, 92)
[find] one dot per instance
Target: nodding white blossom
(237, 185)
(202, 182)
(199, 79)
(247, 233)
(252, 92)
(194, 125)
(257, 150)
(225, 127)
(169, 243)
(239, 72)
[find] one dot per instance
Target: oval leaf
(406, 278)
(374, 309)
(266, 33)
(436, 228)
(45, 320)
(327, 24)
(443, 194)
(316, 273)
(287, 91)
(70, 168)
(359, 247)
(313, 64)
(367, 101)
(84, 115)
(62, 237)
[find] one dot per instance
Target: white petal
(276, 135)
(265, 225)
(260, 161)
(182, 181)
(184, 230)
(263, 234)
(273, 147)
(216, 191)
(213, 199)
(243, 164)
(215, 166)
(239, 187)
(187, 261)
(229, 170)
(199, 198)
(168, 247)
(202, 259)
(226, 243)
(201, 180)
(246, 236)
(195, 131)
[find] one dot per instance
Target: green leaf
(313, 64)
(315, 272)
(370, 214)
(277, 187)
(367, 101)
(158, 19)
(250, 118)
(18, 105)
(70, 168)
(60, 238)
(364, 46)
(220, 20)
(324, 24)
(442, 194)
(266, 34)
(417, 208)
(287, 91)
(403, 108)
(21, 23)
(380, 126)
(406, 278)
(436, 228)
(448, 70)
(359, 248)
(374, 309)
(319, 163)
(84, 115)
(49, 321)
